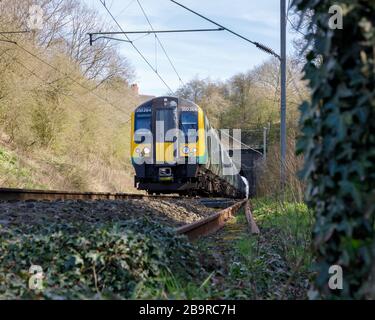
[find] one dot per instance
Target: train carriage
(175, 150)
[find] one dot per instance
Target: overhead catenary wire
(156, 54)
(290, 21)
(294, 82)
(289, 70)
(12, 32)
(65, 74)
(240, 142)
(126, 7)
(160, 42)
(71, 97)
(141, 37)
(8, 41)
(257, 44)
(294, 27)
(281, 58)
(135, 47)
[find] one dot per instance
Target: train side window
(208, 136)
(189, 124)
(208, 145)
(221, 153)
(215, 147)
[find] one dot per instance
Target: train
(174, 149)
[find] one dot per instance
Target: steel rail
(193, 230)
(210, 224)
(10, 194)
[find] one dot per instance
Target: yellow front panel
(132, 136)
(201, 145)
(164, 152)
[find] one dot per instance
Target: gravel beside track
(171, 212)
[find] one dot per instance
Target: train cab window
(142, 127)
(143, 121)
(168, 117)
(189, 121)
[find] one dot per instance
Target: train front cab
(167, 163)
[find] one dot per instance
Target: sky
(214, 55)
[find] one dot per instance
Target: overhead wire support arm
(104, 34)
(111, 38)
(92, 39)
(155, 31)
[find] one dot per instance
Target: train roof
(181, 102)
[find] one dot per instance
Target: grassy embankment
(64, 105)
(274, 265)
(71, 168)
(140, 259)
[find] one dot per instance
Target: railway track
(210, 224)
(193, 230)
(9, 194)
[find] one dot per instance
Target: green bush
(338, 138)
(12, 174)
(92, 261)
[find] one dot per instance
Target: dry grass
(63, 114)
(269, 177)
(44, 170)
(80, 144)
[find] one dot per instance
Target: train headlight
(186, 150)
(146, 150)
(138, 150)
(194, 150)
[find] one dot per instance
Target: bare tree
(65, 27)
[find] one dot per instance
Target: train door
(165, 127)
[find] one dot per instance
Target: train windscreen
(143, 121)
(166, 116)
(188, 121)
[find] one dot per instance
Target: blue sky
(217, 55)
